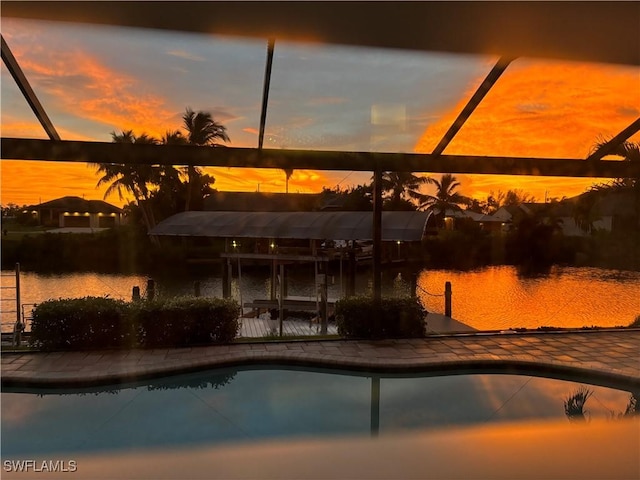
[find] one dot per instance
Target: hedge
(75, 323)
(399, 317)
(185, 321)
(100, 322)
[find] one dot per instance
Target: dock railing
(18, 326)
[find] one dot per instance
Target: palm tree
(169, 173)
(517, 196)
(174, 137)
(632, 406)
(168, 197)
(574, 404)
(630, 152)
(400, 189)
(201, 130)
(125, 136)
(127, 178)
(446, 197)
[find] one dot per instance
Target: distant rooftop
(77, 204)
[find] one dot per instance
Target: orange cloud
(77, 82)
(537, 109)
(541, 109)
(544, 110)
(19, 128)
(22, 129)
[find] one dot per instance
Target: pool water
(259, 404)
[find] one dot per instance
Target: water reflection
(524, 451)
(574, 406)
(494, 298)
(230, 406)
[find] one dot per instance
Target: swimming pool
(251, 406)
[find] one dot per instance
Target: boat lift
(278, 297)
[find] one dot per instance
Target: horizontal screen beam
(120, 153)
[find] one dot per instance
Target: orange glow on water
(496, 298)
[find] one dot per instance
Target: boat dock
(293, 303)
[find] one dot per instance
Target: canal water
(493, 298)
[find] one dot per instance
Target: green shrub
(77, 323)
(185, 321)
(399, 317)
(99, 322)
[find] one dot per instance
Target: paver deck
(610, 356)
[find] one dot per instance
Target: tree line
(402, 191)
(163, 190)
(533, 242)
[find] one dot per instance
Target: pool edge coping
(600, 375)
(122, 367)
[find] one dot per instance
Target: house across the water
(609, 212)
(74, 212)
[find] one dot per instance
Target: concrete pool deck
(606, 355)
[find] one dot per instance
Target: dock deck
(260, 327)
(304, 304)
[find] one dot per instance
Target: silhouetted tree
(201, 130)
(499, 199)
(477, 206)
(629, 152)
(445, 198)
(400, 189)
(129, 178)
(359, 198)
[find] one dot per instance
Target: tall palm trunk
(288, 172)
(191, 173)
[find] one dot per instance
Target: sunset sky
(93, 80)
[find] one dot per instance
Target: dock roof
(396, 226)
